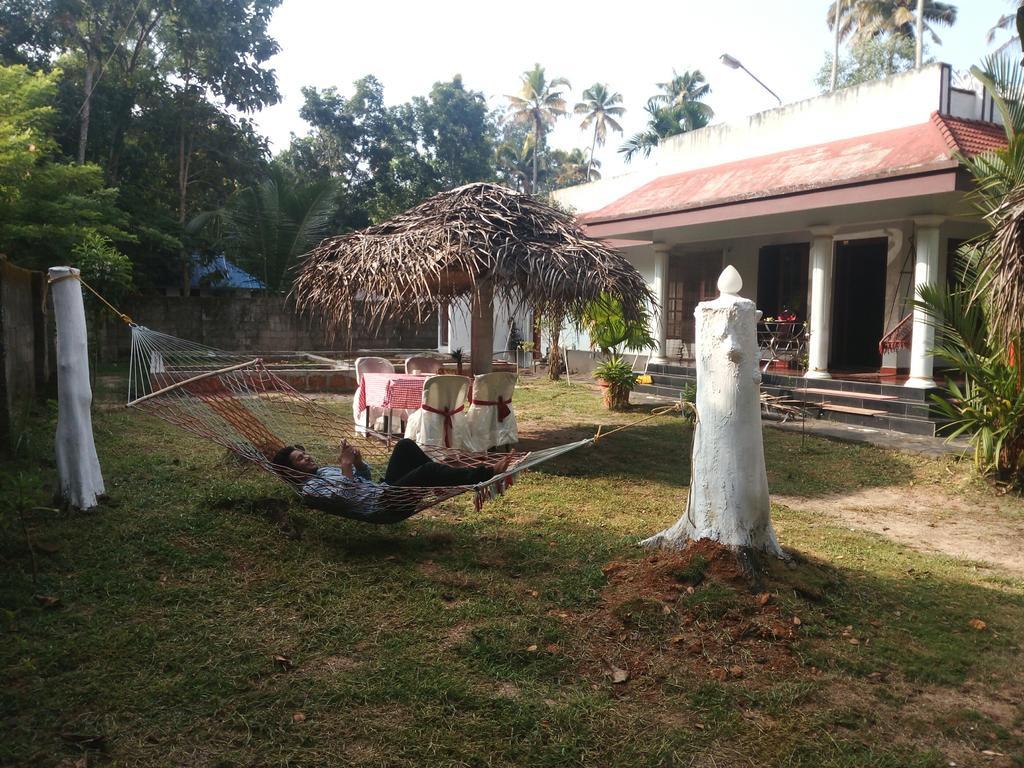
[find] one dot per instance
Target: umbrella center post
(481, 349)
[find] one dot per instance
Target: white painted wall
(459, 325)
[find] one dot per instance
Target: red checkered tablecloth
(391, 390)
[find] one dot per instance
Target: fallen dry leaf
(676, 639)
(619, 675)
(299, 717)
(796, 621)
(551, 648)
(763, 599)
(531, 649)
(853, 641)
(534, 593)
(665, 609)
(736, 671)
(283, 661)
(978, 624)
(719, 674)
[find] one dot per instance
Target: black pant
(410, 466)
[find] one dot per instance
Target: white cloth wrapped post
(441, 420)
(728, 500)
(368, 365)
(490, 418)
(78, 467)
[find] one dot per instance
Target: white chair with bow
(368, 365)
(423, 364)
(490, 418)
(441, 419)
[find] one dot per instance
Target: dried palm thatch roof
(443, 248)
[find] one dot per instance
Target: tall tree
(456, 133)
(601, 107)
(374, 148)
(538, 104)
(217, 47)
(47, 207)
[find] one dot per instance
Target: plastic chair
(441, 420)
(490, 418)
(368, 365)
(423, 364)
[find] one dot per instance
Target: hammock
(238, 402)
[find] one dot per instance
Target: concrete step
(827, 406)
(911, 416)
(842, 393)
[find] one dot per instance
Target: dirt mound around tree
(696, 607)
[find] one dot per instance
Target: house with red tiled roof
(832, 209)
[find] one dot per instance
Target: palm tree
(265, 228)
(980, 321)
(600, 108)
(677, 109)
(538, 104)
(514, 159)
(573, 167)
(839, 9)
(1008, 20)
(866, 19)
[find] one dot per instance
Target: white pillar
(660, 289)
(78, 468)
(926, 272)
(728, 499)
(820, 321)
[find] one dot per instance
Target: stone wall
(25, 357)
(252, 323)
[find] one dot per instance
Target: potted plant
(458, 357)
(618, 380)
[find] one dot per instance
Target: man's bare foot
(503, 464)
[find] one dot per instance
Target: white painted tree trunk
(728, 500)
(78, 467)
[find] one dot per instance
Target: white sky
(631, 46)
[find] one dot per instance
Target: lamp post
(733, 63)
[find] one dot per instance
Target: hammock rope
(239, 403)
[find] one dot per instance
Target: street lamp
(733, 63)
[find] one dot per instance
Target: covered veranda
(833, 235)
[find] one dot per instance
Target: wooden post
(80, 481)
(481, 348)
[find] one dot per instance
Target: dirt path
(928, 520)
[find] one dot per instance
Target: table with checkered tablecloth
(391, 390)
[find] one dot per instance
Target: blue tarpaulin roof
(218, 272)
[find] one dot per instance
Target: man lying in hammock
(349, 490)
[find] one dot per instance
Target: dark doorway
(858, 305)
(692, 278)
(782, 279)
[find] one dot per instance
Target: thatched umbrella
(480, 240)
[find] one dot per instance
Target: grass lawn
(206, 619)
